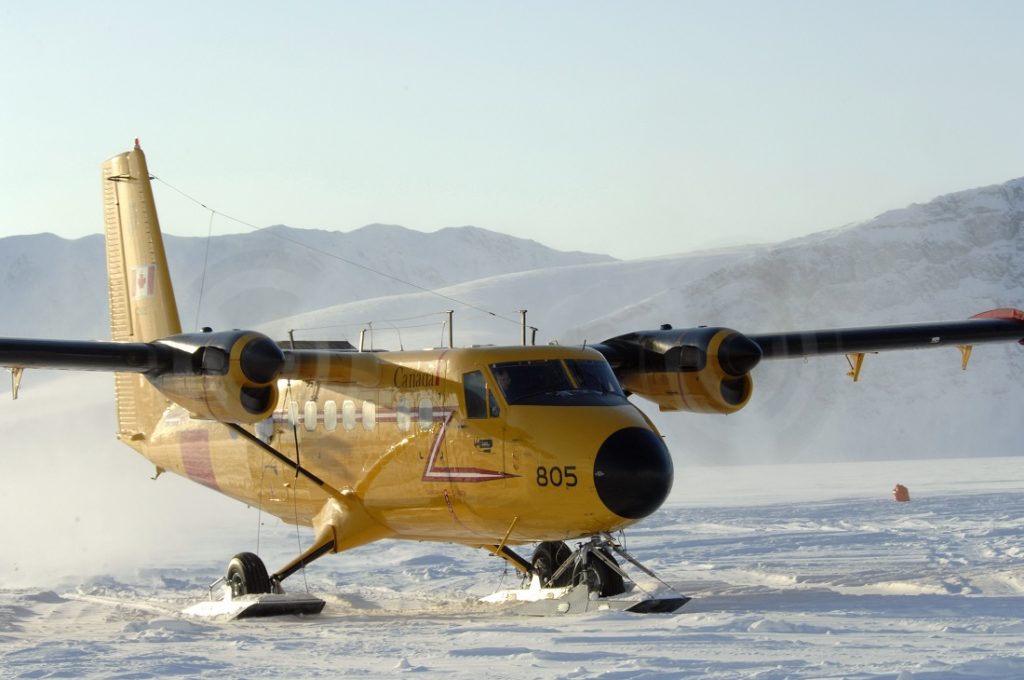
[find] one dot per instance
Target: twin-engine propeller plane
(488, 447)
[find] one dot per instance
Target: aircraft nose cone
(633, 472)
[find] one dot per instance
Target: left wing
(707, 369)
(997, 325)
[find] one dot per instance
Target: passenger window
(426, 415)
(309, 416)
(348, 414)
(476, 394)
(330, 415)
(404, 415)
(369, 415)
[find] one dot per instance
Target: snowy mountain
(558, 300)
(254, 277)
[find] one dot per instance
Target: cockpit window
(548, 382)
(522, 380)
(594, 375)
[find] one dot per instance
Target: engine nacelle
(706, 370)
(706, 391)
(228, 376)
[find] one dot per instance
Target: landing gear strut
(599, 572)
(557, 566)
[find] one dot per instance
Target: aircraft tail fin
(142, 304)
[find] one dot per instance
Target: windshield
(576, 382)
(594, 375)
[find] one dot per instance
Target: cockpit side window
(476, 394)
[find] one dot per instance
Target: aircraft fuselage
(514, 444)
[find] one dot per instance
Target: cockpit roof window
(576, 382)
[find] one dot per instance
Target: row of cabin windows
(368, 417)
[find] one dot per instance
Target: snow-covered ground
(797, 571)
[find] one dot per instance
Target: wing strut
(856, 361)
(16, 373)
(965, 355)
(299, 470)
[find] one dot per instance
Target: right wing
(229, 376)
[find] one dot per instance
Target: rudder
(142, 304)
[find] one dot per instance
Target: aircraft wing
(229, 375)
(258, 357)
(707, 369)
(232, 375)
(1000, 325)
(123, 357)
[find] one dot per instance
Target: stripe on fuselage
(195, 456)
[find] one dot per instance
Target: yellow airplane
(488, 447)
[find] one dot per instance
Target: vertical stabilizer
(142, 306)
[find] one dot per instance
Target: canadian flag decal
(144, 281)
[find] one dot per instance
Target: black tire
(548, 556)
(247, 575)
(598, 576)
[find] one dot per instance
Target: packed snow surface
(797, 571)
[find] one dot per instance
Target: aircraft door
(478, 439)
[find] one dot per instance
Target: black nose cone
(633, 472)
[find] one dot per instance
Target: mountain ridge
(253, 277)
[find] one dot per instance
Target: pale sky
(628, 128)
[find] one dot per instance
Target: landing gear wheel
(547, 558)
(598, 576)
(247, 575)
